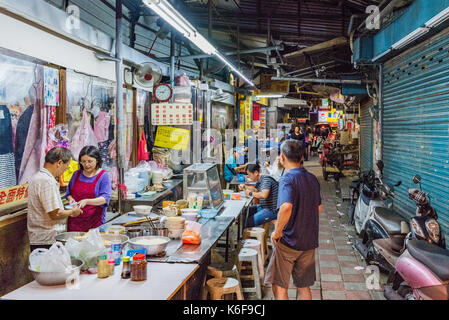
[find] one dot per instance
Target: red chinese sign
(11, 195)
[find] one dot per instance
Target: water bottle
(116, 249)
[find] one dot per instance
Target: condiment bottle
(126, 271)
(111, 263)
(103, 267)
(139, 268)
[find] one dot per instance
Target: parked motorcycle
(374, 193)
(422, 273)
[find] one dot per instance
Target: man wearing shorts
(295, 237)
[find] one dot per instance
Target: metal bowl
(64, 236)
(150, 249)
(58, 278)
(123, 238)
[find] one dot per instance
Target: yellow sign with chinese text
(12, 196)
(172, 138)
(273, 86)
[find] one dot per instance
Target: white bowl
(175, 233)
(191, 216)
(142, 210)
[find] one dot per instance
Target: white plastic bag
(84, 136)
(55, 259)
(87, 250)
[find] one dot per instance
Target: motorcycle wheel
(351, 213)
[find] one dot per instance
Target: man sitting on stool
(266, 190)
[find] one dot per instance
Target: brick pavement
(336, 259)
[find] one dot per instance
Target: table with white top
(164, 281)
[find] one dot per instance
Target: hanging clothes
(101, 129)
(7, 161)
(23, 125)
(84, 136)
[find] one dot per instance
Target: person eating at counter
(46, 215)
(90, 189)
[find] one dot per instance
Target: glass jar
(126, 271)
(103, 267)
(139, 268)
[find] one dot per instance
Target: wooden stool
(218, 287)
(269, 243)
(259, 234)
(250, 255)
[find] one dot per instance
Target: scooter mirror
(417, 179)
(398, 184)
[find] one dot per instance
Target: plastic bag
(55, 259)
(142, 151)
(84, 136)
(87, 250)
(192, 233)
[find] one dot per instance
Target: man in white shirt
(46, 214)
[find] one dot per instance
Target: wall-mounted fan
(147, 75)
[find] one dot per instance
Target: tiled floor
(338, 265)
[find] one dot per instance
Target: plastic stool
(259, 234)
(250, 255)
(256, 245)
(218, 287)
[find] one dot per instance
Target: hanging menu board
(172, 114)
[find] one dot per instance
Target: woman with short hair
(90, 188)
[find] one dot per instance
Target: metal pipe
(121, 143)
(172, 58)
(351, 22)
(233, 53)
(321, 80)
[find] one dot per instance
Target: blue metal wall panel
(366, 139)
(416, 123)
(415, 16)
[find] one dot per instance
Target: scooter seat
(432, 256)
(390, 221)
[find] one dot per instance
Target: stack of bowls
(176, 226)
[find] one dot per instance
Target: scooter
(370, 198)
(422, 273)
(384, 226)
(354, 193)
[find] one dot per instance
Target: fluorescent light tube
(167, 12)
(410, 38)
(269, 96)
(438, 19)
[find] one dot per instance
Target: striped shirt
(268, 183)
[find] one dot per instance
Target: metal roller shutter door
(366, 139)
(416, 124)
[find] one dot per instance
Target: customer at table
(90, 187)
(295, 237)
(46, 216)
(231, 167)
(266, 190)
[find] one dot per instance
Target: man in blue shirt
(295, 237)
(231, 167)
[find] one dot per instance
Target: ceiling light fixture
(167, 12)
(438, 19)
(268, 96)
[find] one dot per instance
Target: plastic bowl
(175, 233)
(142, 210)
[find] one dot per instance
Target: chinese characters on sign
(11, 195)
(172, 114)
(172, 138)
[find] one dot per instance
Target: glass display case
(202, 179)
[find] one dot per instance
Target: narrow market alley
(340, 269)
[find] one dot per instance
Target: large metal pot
(161, 231)
(153, 249)
(64, 236)
(58, 278)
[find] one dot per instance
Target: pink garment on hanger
(34, 152)
(101, 129)
(84, 136)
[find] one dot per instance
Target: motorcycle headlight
(433, 228)
(417, 229)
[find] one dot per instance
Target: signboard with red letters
(171, 114)
(12, 195)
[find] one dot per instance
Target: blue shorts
(257, 216)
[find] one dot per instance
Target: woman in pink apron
(90, 187)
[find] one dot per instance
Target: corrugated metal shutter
(366, 139)
(416, 123)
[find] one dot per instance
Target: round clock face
(163, 92)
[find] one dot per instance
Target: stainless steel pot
(161, 231)
(58, 278)
(152, 249)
